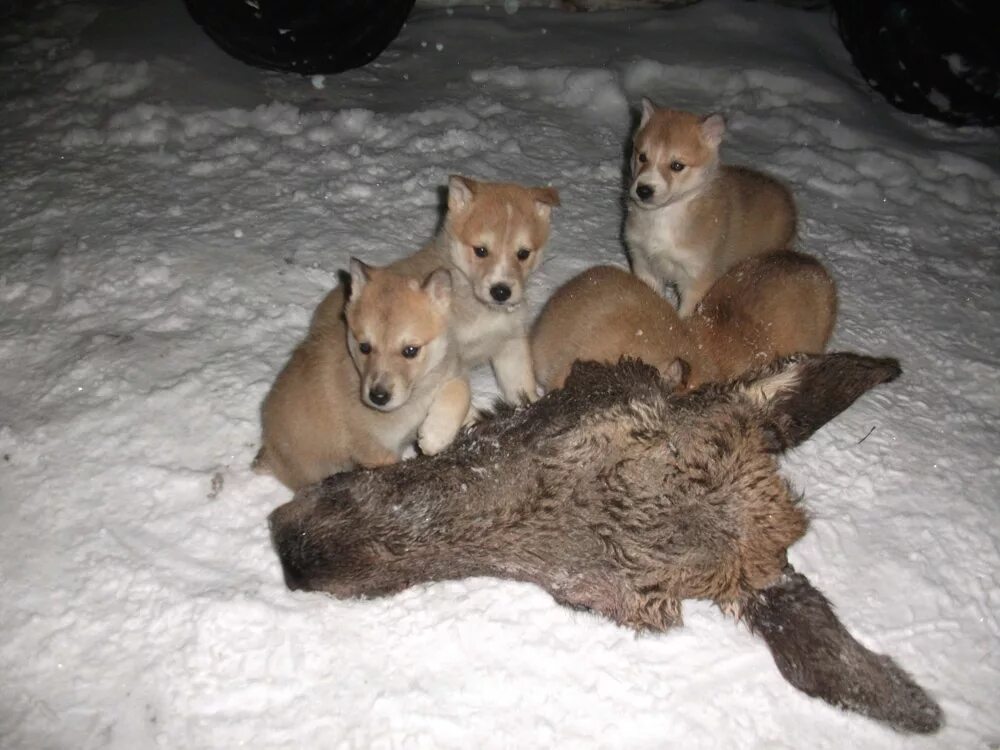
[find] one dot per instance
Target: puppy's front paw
(433, 439)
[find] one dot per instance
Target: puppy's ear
(546, 198)
(676, 374)
(713, 128)
(460, 193)
(438, 288)
(648, 108)
(801, 393)
(361, 274)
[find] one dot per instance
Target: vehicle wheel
(302, 36)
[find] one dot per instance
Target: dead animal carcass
(616, 495)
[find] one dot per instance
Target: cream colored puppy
(372, 375)
(690, 218)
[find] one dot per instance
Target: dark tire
(940, 59)
(302, 36)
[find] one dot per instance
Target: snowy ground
(168, 219)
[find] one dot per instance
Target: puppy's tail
(815, 653)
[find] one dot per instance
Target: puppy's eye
(641, 157)
(523, 254)
(677, 166)
(480, 251)
(365, 348)
(411, 351)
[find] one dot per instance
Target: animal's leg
(817, 655)
(653, 611)
(446, 416)
(642, 268)
(693, 293)
(514, 371)
(473, 416)
(645, 610)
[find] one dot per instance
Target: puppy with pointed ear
(438, 288)
(691, 218)
(378, 371)
(713, 127)
(360, 273)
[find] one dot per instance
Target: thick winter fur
(690, 218)
(619, 496)
(491, 240)
(370, 377)
(765, 307)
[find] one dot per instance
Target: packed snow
(168, 220)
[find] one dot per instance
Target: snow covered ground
(168, 220)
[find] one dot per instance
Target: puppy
(603, 314)
(689, 218)
(371, 376)
(766, 307)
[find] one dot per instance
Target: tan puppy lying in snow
(768, 306)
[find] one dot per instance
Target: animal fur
(333, 407)
(689, 218)
(765, 307)
(618, 496)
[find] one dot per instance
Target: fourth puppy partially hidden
(765, 307)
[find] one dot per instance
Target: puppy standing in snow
(691, 218)
(491, 240)
(371, 376)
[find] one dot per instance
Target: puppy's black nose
(500, 292)
(379, 396)
(645, 192)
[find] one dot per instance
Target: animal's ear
(713, 128)
(460, 193)
(438, 288)
(648, 108)
(801, 393)
(676, 374)
(361, 274)
(546, 198)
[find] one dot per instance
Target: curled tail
(815, 653)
